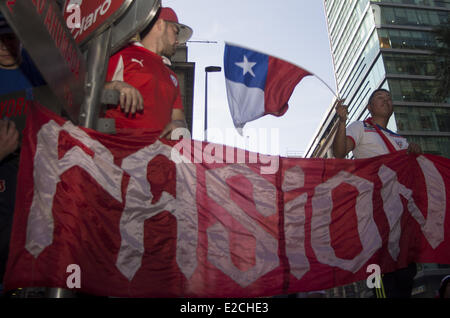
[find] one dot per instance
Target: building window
(403, 39)
(412, 118)
(403, 90)
(433, 3)
(412, 17)
(433, 145)
(411, 64)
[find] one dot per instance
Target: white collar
(165, 59)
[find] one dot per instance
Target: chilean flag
(258, 84)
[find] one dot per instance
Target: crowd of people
(150, 99)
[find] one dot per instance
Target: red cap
(167, 14)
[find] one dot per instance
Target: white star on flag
(247, 67)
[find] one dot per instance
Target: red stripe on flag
(282, 77)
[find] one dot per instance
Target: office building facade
(388, 44)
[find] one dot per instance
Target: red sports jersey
(157, 83)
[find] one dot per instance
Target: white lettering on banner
(393, 208)
(322, 204)
(294, 225)
(433, 226)
(266, 249)
(138, 208)
(48, 169)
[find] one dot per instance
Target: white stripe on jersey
(118, 73)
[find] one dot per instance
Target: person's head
(9, 46)
(165, 33)
(380, 103)
(444, 290)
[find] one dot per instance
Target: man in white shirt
(368, 140)
(363, 138)
(371, 138)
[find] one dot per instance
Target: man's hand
(414, 149)
(9, 138)
(342, 144)
(342, 111)
(174, 124)
(131, 100)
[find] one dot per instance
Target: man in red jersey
(141, 64)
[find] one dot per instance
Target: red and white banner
(140, 220)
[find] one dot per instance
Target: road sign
(88, 18)
(40, 27)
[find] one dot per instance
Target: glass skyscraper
(388, 44)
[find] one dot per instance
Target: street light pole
(208, 69)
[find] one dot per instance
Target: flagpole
(325, 83)
(331, 90)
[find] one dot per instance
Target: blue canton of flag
(246, 67)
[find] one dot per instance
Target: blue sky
(293, 30)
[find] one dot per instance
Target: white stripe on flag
(246, 103)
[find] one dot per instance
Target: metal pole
(97, 63)
(207, 70)
(206, 106)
